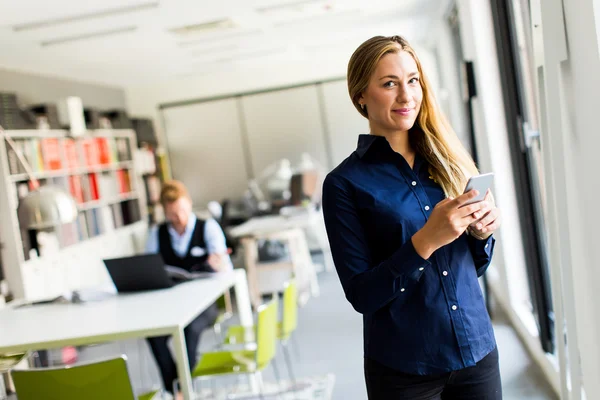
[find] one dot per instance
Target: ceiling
(135, 42)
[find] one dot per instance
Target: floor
(329, 340)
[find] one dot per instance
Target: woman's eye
(414, 80)
(389, 84)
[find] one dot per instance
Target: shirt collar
(191, 224)
(365, 141)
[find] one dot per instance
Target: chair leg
(261, 385)
(288, 361)
(296, 348)
(3, 394)
(217, 332)
(197, 386)
(277, 376)
(213, 385)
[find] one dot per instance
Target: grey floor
(329, 340)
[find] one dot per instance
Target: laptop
(144, 272)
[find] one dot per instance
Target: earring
(363, 106)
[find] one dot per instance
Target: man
(192, 244)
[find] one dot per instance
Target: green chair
(288, 324)
(94, 381)
(248, 362)
(7, 362)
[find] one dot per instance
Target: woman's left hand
(488, 223)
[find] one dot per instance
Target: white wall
(36, 89)
(231, 80)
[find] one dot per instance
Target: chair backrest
(266, 332)
(9, 360)
(94, 381)
(289, 319)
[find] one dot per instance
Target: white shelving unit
(111, 202)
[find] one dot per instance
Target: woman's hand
(449, 219)
(488, 223)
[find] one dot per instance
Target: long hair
(431, 136)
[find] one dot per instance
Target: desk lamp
(44, 206)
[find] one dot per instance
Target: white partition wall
(283, 124)
(343, 122)
(204, 141)
(216, 145)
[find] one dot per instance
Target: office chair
(247, 362)
(285, 328)
(100, 380)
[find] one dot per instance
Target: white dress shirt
(213, 238)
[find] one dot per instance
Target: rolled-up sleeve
(367, 286)
(482, 251)
(215, 241)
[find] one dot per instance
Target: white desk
(144, 314)
(310, 221)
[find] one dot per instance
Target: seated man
(193, 244)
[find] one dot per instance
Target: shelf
(35, 133)
(44, 133)
(76, 171)
(115, 133)
(101, 203)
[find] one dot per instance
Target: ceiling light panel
(88, 36)
(215, 26)
(86, 17)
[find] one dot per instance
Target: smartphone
(482, 183)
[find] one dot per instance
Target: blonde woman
(407, 249)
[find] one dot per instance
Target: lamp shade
(46, 207)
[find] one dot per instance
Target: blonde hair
(431, 136)
(173, 191)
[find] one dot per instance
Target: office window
(513, 34)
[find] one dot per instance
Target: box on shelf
(48, 111)
(92, 118)
(118, 119)
(70, 113)
(12, 116)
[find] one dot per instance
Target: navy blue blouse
(420, 316)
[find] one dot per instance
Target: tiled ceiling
(131, 42)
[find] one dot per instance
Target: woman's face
(393, 97)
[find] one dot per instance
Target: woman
(407, 249)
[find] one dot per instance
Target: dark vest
(189, 262)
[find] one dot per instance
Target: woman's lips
(403, 111)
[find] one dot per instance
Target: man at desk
(193, 244)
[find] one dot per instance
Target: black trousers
(192, 332)
(480, 382)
